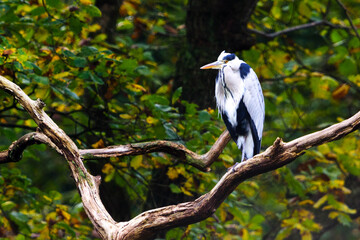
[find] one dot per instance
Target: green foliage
(104, 94)
(31, 213)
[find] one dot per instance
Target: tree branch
(279, 154)
(14, 153)
(295, 28)
(147, 224)
(202, 162)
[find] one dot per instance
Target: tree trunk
(212, 26)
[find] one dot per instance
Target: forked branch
(147, 224)
(201, 162)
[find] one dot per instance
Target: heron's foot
(232, 169)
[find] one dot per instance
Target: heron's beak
(213, 65)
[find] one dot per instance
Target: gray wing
(253, 98)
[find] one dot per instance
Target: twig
(295, 28)
(349, 18)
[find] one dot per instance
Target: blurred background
(119, 72)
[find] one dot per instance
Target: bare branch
(147, 224)
(14, 153)
(201, 162)
(279, 154)
(295, 28)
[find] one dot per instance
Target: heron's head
(224, 59)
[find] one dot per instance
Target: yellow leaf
(108, 168)
(61, 75)
(51, 216)
(64, 214)
(337, 183)
(245, 234)
(306, 202)
(94, 28)
(321, 201)
(344, 208)
(346, 190)
(172, 173)
(222, 215)
(126, 116)
(47, 198)
(306, 235)
(98, 144)
(79, 91)
(61, 107)
(163, 89)
(151, 120)
(136, 162)
(304, 214)
(30, 123)
(333, 215)
(86, 2)
(340, 92)
(181, 170)
(42, 92)
(186, 192)
(135, 87)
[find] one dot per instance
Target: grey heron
(240, 102)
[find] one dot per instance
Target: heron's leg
(237, 163)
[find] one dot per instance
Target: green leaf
(66, 227)
(75, 25)
(143, 70)
(54, 3)
(68, 53)
(176, 95)
(55, 195)
(174, 188)
(95, 78)
(87, 51)
(338, 35)
(19, 217)
(304, 9)
(37, 11)
(344, 219)
(8, 205)
(71, 94)
(348, 67)
(18, 66)
(20, 237)
(78, 62)
(204, 116)
(170, 131)
(128, 65)
(294, 185)
(93, 11)
(40, 79)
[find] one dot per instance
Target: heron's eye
(226, 61)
